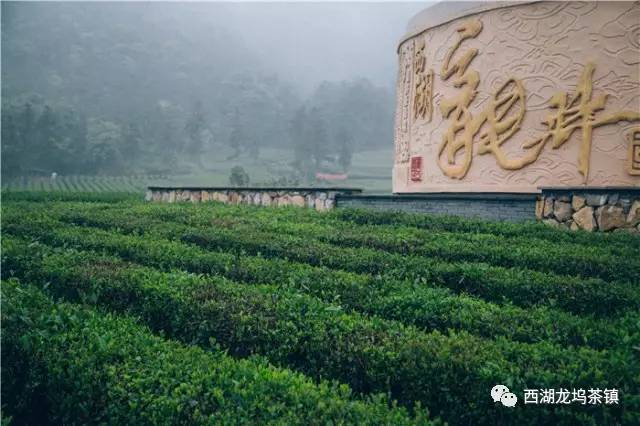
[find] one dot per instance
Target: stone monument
(516, 96)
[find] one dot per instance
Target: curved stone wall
(316, 198)
(511, 97)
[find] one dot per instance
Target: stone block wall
(316, 198)
(605, 209)
(591, 209)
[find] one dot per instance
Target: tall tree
(73, 142)
(317, 138)
(12, 149)
(26, 135)
(346, 149)
(237, 135)
(131, 143)
(46, 141)
(299, 134)
(105, 138)
(194, 127)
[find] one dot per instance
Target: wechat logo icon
(501, 393)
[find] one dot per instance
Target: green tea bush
(63, 364)
(521, 287)
(493, 283)
(83, 196)
(459, 224)
(613, 263)
(524, 251)
(300, 332)
(409, 302)
(331, 298)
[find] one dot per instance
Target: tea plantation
(117, 311)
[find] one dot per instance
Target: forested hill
(96, 55)
(110, 88)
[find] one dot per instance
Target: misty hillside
(137, 88)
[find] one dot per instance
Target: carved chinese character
(403, 116)
(423, 97)
(456, 109)
(503, 114)
(578, 112)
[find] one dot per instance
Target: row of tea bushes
(411, 303)
(71, 196)
(428, 222)
(284, 220)
(521, 287)
(587, 297)
(215, 214)
(459, 224)
(563, 258)
(566, 259)
(432, 223)
(493, 283)
(371, 355)
(63, 364)
(353, 216)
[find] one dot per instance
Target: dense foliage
(430, 311)
(69, 365)
(116, 88)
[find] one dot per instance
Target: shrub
(238, 176)
(74, 365)
(371, 355)
(414, 303)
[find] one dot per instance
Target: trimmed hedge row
(559, 258)
(519, 231)
(450, 374)
(80, 196)
(279, 220)
(459, 224)
(524, 253)
(359, 219)
(496, 284)
(522, 287)
(493, 283)
(408, 302)
(350, 217)
(68, 365)
(541, 255)
(612, 263)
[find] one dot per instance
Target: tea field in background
(80, 183)
(369, 171)
(116, 310)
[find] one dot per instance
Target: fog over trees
(121, 88)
